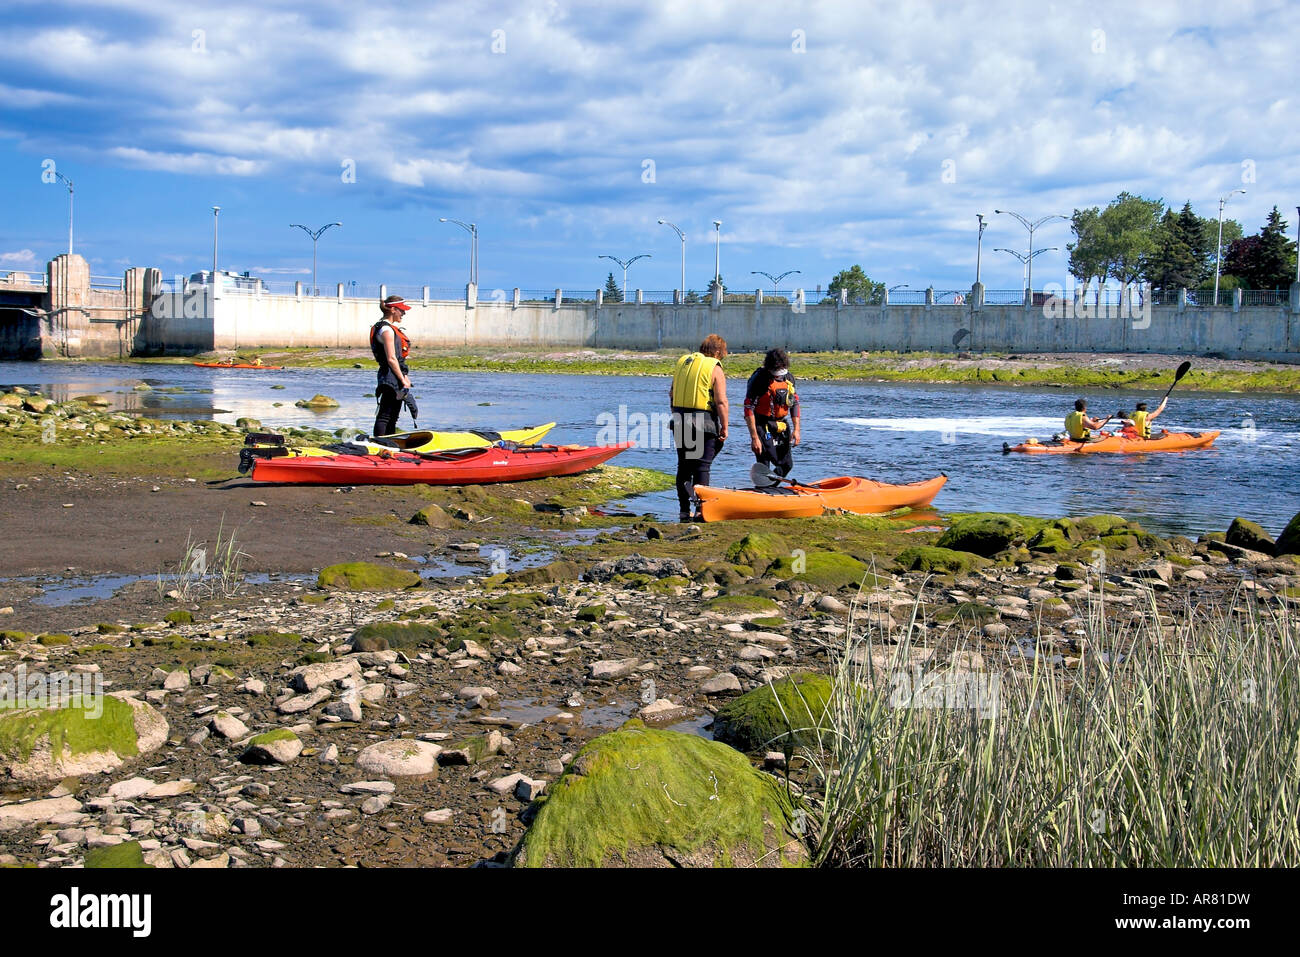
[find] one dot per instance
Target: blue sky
(822, 135)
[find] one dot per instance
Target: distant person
(1079, 425)
(390, 347)
(772, 416)
(699, 419)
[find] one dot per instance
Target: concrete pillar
(516, 299)
(977, 296)
(471, 295)
(758, 298)
(383, 291)
(1295, 298)
(717, 297)
(1029, 298)
(1182, 300)
(340, 292)
(1236, 299)
(425, 291)
(559, 298)
(600, 298)
(677, 297)
(844, 297)
(640, 297)
(929, 297)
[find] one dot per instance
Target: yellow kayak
(427, 441)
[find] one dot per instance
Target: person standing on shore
(699, 419)
(772, 416)
(390, 347)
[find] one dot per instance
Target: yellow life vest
(1141, 424)
(693, 382)
(1074, 426)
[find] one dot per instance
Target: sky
(822, 135)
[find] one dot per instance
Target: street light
(1031, 227)
(1218, 250)
(624, 265)
(215, 211)
(69, 182)
(1027, 261)
(901, 285)
(682, 236)
(472, 229)
(1297, 243)
(776, 280)
(315, 237)
(979, 246)
(717, 256)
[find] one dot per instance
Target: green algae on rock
(640, 797)
(128, 854)
(931, 558)
(383, 635)
(367, 576)
(786, 714)
(828, 571)
(1247, 534)
(89, 736)
(1288, 543)
(757, 550)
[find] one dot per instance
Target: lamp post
(625, 265)
(1031, 227)
(216, 210)
(472, 229)
(1218, 249)
(315, 237)
(717, 255)
(682, 236)
(1297, 244)
(69, 184)
(776, 280)
(1026, 261)
(979, 246)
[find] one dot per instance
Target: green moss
(741, 603)
(667, 584)
(638, 794)
(275, 639)
(772, 621)
(1094, 526)
(400, 635)
(313, 658)
(519, 601)
(128, 854)
(99, 648)
(313, 599)
(384, 605)
(270, 737)
(75, 728)
(781, 716)
(424, 611)
(54, 639)
(590, 613)
(1247, 534)
(1288, 543)
(367, 576)
(827, 571)
(559, 571)
(758, 550)
(929, 558)
(15, 636)
(984, 535)
(179, 617)
(105, 628)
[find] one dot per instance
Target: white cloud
(18, 259)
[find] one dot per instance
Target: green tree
(612, 292)
(1232, 231)
(860, 288)
(1087, 253)
(1192, 230)
(1129, 227)
(1276, 254)
(718, 281)
(1174, 264)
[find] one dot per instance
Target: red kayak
(235, 365)
(464, 467)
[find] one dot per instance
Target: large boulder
(931, 558)
(639, 797)
(1288, 543)
(757, 550)
(87, 736)
(790, 713)
(635, 565)
(983, 535)
(825, 571)
(1246, 534)
(367, 576)
(401, 758)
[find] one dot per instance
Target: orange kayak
(1113, 442)
(845, 493)
(233, 365)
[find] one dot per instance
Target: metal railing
(107, 282)
(1263, 297)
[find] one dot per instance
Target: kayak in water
(419, 441)
(463, 467)
(845, 493)
(1115, 442)
(235, 365)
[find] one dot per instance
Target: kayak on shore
(480, 466)
(235, 365)
(419, 441)
(845, 493)
(1114, 442)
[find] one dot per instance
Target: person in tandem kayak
(1079, 425)
(390, 347)
(772, 416)
(699, 419)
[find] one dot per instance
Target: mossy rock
(424, 611)
(1288, 543)
(317, 401)
(781, 716)
(519, 601)
(106, 628)
(721, 573)
(590, 613)
(771, 621)
(1119, 542)
(54, 639)
(983, 535)
(758, 550)
(558, 571)
(432, 516)
(125, 855)
(827, 571)
(640, 797)
(86, 736)
(740, 604)
(931, 558)
(383, 635)
(367, 576)
(179, 617)
(1051, 540)
(14, 636)
(1247, 534)
(1095, 526)
(667, 584)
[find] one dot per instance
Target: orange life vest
(377, 347)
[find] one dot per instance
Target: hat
(396, 302)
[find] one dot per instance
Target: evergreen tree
(1276, 254)
(719, 281)
(1192, 231)
(612, 292)
(861, 289)
(1174, 263)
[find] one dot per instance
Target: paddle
(1178, 375)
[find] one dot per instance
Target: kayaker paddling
(390, 347)
(1079, 425)
(772, 417)
(698, 395)
(1141, 418)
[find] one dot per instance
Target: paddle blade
(1182, 370)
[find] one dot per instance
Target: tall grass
(205, 572)
(1161, 747)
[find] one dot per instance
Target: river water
(893, 432)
